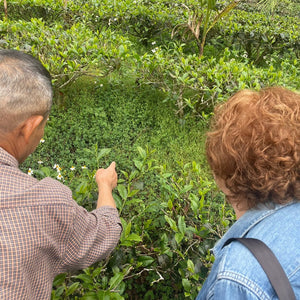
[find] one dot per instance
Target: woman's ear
(222, 186)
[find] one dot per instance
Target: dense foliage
(132, 85)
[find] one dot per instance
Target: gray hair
(25, 89)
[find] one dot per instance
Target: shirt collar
(244, 224)
(7, 159)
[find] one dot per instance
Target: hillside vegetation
(136, 82)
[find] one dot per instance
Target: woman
(253, 149)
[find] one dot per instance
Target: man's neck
(7, 142)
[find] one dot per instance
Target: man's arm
(94, 234)
(107, 180)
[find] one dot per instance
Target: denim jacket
(236, 274)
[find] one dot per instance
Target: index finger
(112, 165)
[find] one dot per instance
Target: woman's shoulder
(280, 232)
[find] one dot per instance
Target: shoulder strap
(270, 265)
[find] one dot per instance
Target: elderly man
(43, 232)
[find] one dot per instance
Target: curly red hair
(254, 146)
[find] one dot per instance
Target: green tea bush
(283, 8)
(143, 19)
(67, 53)
(49, 11)
(199, 83)
(260, 35)
(90, 45)
(168, 228)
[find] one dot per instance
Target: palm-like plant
(202, 19)
(5, 8)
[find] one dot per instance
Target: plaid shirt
(43, 232)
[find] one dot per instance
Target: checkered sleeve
(44, 232)
(93, 236)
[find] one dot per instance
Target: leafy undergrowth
(170, 221)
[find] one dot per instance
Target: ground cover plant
(127, 89)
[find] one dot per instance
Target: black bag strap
(270, 265)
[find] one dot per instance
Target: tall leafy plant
(202, 19)
(5, 8)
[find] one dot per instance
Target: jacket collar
(244, 224)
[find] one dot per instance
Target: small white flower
(101, 85)
(42, 141)
(153, 43)
(153, 50)
(72, 168)
(40, 162)
(84, 167)
(29, 172)
(56, 166)
(59, 176)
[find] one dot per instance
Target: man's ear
(29, 126)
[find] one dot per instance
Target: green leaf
(134, 237)
(132, 193)
(142, 152)
(59, 279)
(124, 223)
(178, 237)
(127, 229)
(116, 280)
(186, 188)
(121, 50)
(115, 296)
(85, 278)
(72, 288)
(181, 224)
(101, 295)
(82, 188)
(107, 295)
(90, 296)
(118, 200)
(130, 240)
(46, 171)
(186, 284)
(172, 223)
(122, 191)
(190, 266)
(59, 291)
(133, 175)
(170, 204)
(138, 164)
(103, 152)
(97, 272)
(145, 260)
